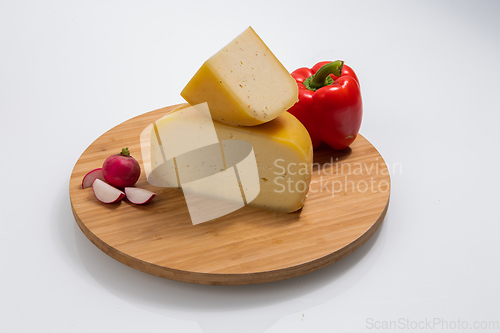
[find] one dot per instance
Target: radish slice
(106, 193)
(139, 196)
(89, 178)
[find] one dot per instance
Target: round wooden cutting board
(347, 202)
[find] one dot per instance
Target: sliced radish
(139, 196)
(89, 178)
(106, 193)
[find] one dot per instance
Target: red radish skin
(106, 193)
(121, 170)
(89, 178)
(138, 196)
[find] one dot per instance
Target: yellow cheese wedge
(283, 153)
(244, 84)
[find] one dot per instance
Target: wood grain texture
(347, 203)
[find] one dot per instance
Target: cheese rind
(244, 84)
(283, 152)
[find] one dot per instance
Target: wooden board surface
(347, 202)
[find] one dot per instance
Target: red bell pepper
(329, 104)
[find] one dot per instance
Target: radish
(106, 193)
(121, 170)
(139, 196)
(89, 178)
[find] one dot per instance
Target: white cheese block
(283, 156)
(244, 84)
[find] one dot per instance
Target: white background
(429, 73)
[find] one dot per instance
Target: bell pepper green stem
(320, 78)
(125, 152)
